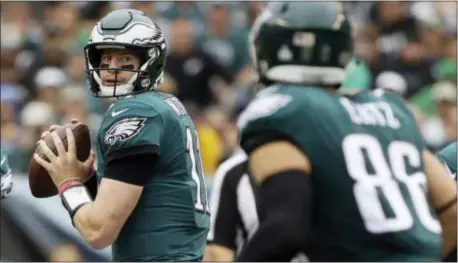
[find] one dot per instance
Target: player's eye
(104, 65)
(128, 67)
(105, 58)
(125, 59)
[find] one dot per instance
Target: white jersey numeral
(388, 178)
(201, 203)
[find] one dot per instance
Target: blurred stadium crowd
(408, 46)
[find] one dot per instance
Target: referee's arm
(221, 238)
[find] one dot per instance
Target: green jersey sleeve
(130, 129)
(6, 180)
(272, 115)
(448, 157)
(5, 168)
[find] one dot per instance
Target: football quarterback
(151, 202)
(341, 177)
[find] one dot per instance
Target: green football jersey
(370, 197)
(448, 157)
(5, 173)
(171, 219)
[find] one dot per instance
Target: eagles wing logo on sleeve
(124, 129)
(6, 180)
(6, 184)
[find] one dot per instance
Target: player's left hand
(65, 166)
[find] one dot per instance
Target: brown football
(41, 185)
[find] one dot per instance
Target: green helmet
(301, 42)
(126, 29)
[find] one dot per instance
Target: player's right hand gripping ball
(41, 184)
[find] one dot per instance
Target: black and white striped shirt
(232, 204)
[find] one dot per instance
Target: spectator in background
(11, 44)
(52, 50)
(392, 81)
(48, 81)
(447, 13)
(35, 118)
(17, 15)
(440, 130)
(227, 46)
(192, 73)
(49, 12)
(450, 48)
(75, 67)
(11, 41)
(7, 66)
(367, 49)
(211, 146)
(188, 10)
(400, 40)
(414, 66)
(66, 19)
(395, 25)
(431, 29)
(73, 104)
(12, 96)
(192, 70)
(19, 34)
(446, 68)
(11, 100)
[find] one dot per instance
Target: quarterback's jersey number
(201, 203)
(388, 178)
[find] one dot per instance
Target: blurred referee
(233, 209)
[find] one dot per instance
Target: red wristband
(68, 185)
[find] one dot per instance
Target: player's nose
(113, 63)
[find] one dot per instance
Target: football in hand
(41, 184)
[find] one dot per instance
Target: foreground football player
(6, 177)
(342, 178)
(151, 202)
